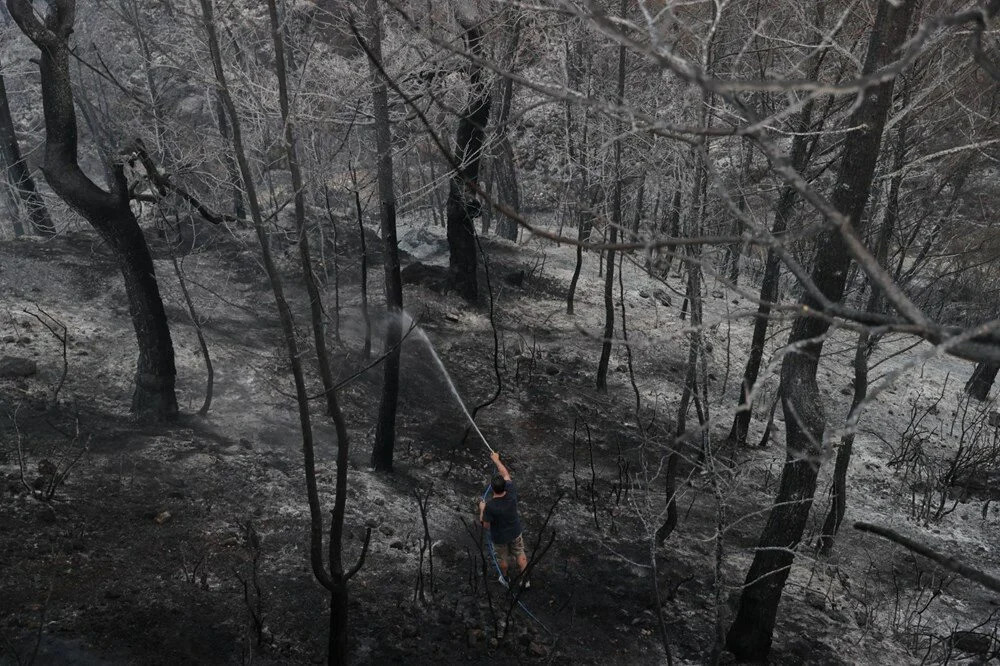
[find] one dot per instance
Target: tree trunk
(616, 220)
(981, 381)
(750, 635)
(838, 504)
(239, 210)
(385, 430)
(505, 174)
(463, 201)
(772, 274)
(107, 211)
(674, 229)
(23, 193)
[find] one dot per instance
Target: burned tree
(107, 211)
(749, 637)
(463, 201)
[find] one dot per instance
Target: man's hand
(495, 457)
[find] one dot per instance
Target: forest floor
(145, 553)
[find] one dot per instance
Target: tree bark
(616, 221)
(981, 381)
(24, 195)
(385, 430)
(505, 173)
(863, 349)
(463, 205)
(107, 211)
(749, 637)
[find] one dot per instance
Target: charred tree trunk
(505, 173)
(863, 348)
(239, 210)
(772, 274)
(616, 221)
(385, 431)
(107, 211)
(981, 381)
(749, 637)
(463, 201)
(24, 196)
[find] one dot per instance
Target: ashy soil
(188, 543)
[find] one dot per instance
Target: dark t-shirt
(501, 514)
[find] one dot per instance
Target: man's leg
(517, 549)
(502, 554)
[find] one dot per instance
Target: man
(499, 515)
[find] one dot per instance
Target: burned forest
(497, 332)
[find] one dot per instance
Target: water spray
(408, 321)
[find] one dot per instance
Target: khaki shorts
(514, 549)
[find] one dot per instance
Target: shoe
(525, 584)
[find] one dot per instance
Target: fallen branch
(949, 562)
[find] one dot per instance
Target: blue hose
(496, 563)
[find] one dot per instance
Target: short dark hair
(499, 484)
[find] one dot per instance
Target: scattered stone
(24, 339)
(386, 530)
(515, 279)
(718, 294)
(397, 545)
(445, 550)
(846, 390)
(972, 642)
(551, 370)
(9, 339)
(434, 278)
(13, 366)
(246, 443)
(537, 649)
(643, 293)
(162, 517)
(663, 297)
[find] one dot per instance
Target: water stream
(409, 322)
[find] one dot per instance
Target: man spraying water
(499, 516)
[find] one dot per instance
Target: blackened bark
(22, 185)
(385, 430)
(981, 381)
(863, 348)
(107, 211)
(674, 229)
(463, 201)
(772, 273)
(749, 637)
(616, 221)
(239, 210)
(505, 174)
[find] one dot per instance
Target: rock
(845, 391)
(13, 366)
(245, 443)
(434, 278)
(643, 293)
(551, 370)
(537, 649)
(718, 294)
(445, 550)
(162, 517)
(397, 545)
(515, 279)
(662, 296)
(972, 642)
(9, 339)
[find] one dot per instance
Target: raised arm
(501, 469)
